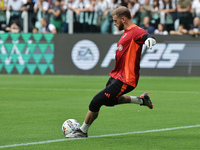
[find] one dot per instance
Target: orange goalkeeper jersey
(128, 55)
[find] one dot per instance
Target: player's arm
(149, 40)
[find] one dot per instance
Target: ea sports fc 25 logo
(85, 54)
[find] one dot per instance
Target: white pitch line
(99, 136)
(90, 90)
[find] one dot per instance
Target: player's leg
(143, 100)
(104, 97)
(117, 90)
(89, 119)
(107, 96)
(91, 115)
(112, 95)
(129, 99)
(82, 132)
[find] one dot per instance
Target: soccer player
(125, 75)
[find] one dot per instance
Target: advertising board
(93, 54)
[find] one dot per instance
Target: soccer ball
(69, 126)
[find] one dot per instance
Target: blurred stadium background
(95, 16)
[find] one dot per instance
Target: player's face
(118, 23)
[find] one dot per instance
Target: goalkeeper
(125, 75)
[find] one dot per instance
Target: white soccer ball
(69, 126)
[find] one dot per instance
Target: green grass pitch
(33, 108)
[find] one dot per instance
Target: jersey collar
(131, 26)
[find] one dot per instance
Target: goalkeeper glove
(150, 42)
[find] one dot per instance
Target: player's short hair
(122, 11)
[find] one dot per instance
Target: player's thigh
(110, 92)
(108, 96)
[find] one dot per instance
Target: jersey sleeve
(138, 34)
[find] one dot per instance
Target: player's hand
(150, 42)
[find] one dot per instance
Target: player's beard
(121, 26)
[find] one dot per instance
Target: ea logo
(85, 55)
